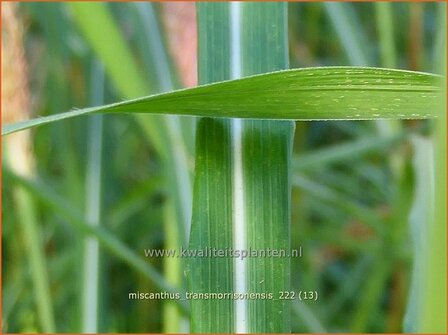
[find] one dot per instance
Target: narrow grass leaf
(341, 153)
(349, 205)
(92, 265)
(421, 224)
(164, 132)
(212, 205)
(242, 189)
(329, 93)
(384, 19)
(434, 309)
(308, 318)
(344, 21)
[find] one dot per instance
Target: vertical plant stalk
(242, 184)
(384, 24)
(427, 306)
(18, 149)
(95, 22)
(166, 133)
(388, 128)
(93, 206)
(420, 218)
(401, 203)
(50, 18)
(344, 22)
(178, 151)
(434, 309)
(177, 218)
(415, 46)
(172, 270)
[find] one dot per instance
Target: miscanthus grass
(239, 196)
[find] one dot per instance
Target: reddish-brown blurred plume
(179, 21)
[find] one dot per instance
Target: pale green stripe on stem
(93, 205)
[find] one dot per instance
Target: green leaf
(242, 188)
(328, 93)
(95, 22)
(211, 220)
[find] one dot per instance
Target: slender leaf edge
(212, 112)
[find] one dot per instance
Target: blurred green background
(360, 189)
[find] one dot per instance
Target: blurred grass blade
(27, 217)
(337, 199)
(162, 131)
(349, 286)
(333, 93)
(93, 205)
(354, 42)
(106, 239)
(421, 224)
(439, 50)
(344, 21)
(415, 52)
(18, 155)
(119, 63)
(95, 21)
(384, 22)
(345, 151)
(308, 318)
(433, 316)
(173, 270)
(176, 228)
(178, 153)
(235, 186)
(133, 201)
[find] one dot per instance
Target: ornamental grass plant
(134, 127)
